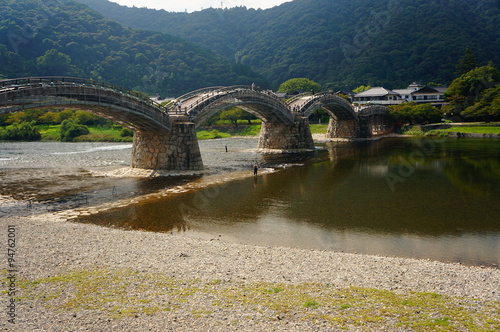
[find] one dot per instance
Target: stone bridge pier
(376, 125)
(176, 149)
(284, 136)
(343, 128)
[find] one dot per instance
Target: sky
(195, 5)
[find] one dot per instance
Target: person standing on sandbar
(255, 168)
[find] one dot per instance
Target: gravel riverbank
(77, 277)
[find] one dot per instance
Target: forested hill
(339, 43)
(62, 37)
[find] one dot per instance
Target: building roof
(441, 89)
(426, 90)
(404, 91)
(376, 92)
(414, 86)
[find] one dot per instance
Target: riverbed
(429, 199)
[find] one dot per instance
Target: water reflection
(419, 198)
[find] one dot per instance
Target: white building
(413, 93)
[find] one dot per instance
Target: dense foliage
(411, 113)
(475, 95)
(53, 117)
(24, 131)
(50, 38)
(297, 85)
(338, 43)
(71, 129)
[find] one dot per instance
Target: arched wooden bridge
(165, 137)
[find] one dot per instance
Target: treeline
(65, 38)
(70, 124)
(337, 43)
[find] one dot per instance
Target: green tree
(53, 63)
(425, 113)
(3, 119)
(24, 131)
(71, 129)
(467, 62)
(487, 108)
(232, 114)
(411, 113)
(402, 113)
(126, 132)
(470, 88)
(90, 119)
(25, 116)
(299, 85)
(49, 118)
(361, 88)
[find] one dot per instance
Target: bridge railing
(204, 95)
(294, 98)
(28, 82)
(191, 94)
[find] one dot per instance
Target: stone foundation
(343, 129)
(296, 136)
(177, 149)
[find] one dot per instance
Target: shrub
(25, 131)
(71, 129)
(125, 132)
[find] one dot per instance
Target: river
(428, 198)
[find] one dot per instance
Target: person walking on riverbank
(255, 168)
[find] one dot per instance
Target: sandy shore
(78, 277)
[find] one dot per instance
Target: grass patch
(472, 130)
(97, 134)
(413, 130)
(228, 131)
(104, 134)
(318, 128)
(121, 293)
(49, 132)
(211, 134)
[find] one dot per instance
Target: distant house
(427, 94)
(378, 96)
(413, 93)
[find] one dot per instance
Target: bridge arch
(343, 119)
(159, 143)
(201, 104)
(334, 105)
(106, 100)
(281, 129)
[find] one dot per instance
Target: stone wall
(280, 136)
(343, 128)
(177, 149)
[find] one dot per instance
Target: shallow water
(421, 198)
